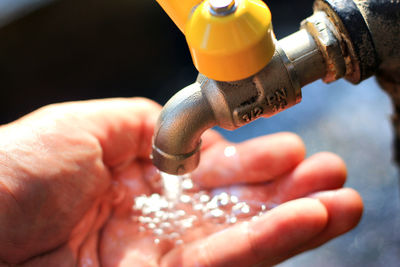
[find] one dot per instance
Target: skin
(69, 173)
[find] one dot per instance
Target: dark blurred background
(62, 50)
(53, 51)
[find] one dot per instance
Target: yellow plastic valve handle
(230, 43)
(179, 10)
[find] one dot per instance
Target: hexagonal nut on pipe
(322, 30)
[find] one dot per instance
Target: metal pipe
(176, 142)
(207, 103)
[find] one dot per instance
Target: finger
(268, 238)
(322, 171)
(257, 160)
(345, 209)
(210, 138)
(123, 127)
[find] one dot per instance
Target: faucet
(351, 39)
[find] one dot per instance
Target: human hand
(69, 172)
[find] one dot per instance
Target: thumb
(123, 126)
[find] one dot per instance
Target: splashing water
(182, 208)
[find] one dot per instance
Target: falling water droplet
(179, 208)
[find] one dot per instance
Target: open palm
(69, 174)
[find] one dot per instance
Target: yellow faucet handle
(179, 10)
(230, 40)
